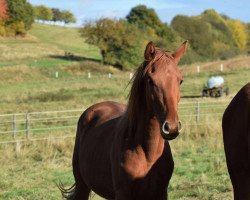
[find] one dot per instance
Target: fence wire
(41, 125)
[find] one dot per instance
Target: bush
(16, 28)
(20, 17)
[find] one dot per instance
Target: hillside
(64, 38)
(28, 83)
(28, 67)
(47, 44)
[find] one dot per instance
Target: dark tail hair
(79, 189)
(67, 193)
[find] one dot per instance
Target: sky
(166, 9)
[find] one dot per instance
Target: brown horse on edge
(119, 150)
(236, 136)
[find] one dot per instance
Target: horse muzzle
(170, 130)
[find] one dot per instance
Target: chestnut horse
(120, 152)
(236, 136)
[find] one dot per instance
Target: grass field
(29, 170)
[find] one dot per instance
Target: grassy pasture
(29, 170)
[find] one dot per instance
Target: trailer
(215, 87)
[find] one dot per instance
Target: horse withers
(122, 152)
(236, 136)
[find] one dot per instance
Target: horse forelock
(158, 56)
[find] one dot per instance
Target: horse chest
(152, 184)
(135, 164)
(138, 161)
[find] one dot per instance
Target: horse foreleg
(122, 195)
(162, 196)
(241, 187)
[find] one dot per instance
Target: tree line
(44, 13)
(122, 41)
(17, 16)
(211, 35)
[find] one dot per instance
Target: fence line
(26, 125)
(37, 139)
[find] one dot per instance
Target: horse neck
(143, 144)
(144, 132)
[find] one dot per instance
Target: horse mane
(135, 95)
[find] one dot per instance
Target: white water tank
(215, 81)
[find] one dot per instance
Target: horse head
(162, 80)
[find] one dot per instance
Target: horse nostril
(165, 128)
(171, 131)
(179, 126)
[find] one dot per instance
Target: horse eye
(149, 80)
(181, 82)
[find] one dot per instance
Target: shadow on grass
(72, 57)
(191, 96)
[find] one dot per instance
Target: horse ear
(180, 51)
(149, 53)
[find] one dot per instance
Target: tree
(212, 35)
(221, 31)
(248, 38)
(56, 15)
(68, 17)
(3, 16)
(20, 11)
(3, 10)
(121, 44)
(146, 18)
(197, 32)
(239, 33)
(43, 13)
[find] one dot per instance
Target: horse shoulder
(101, 112)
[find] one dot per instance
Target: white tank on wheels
(215, 87)
(215, 82)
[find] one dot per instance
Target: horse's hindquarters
(94, 159)
(236, 136)
(91, 160)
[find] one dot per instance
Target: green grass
(31, 170)
(45, 46)
(28, 83)
(67, 39)
(37, 169)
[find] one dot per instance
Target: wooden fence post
(27, 126)
(130, 76)
(198, 112)
(198, 69)
(221, 67)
